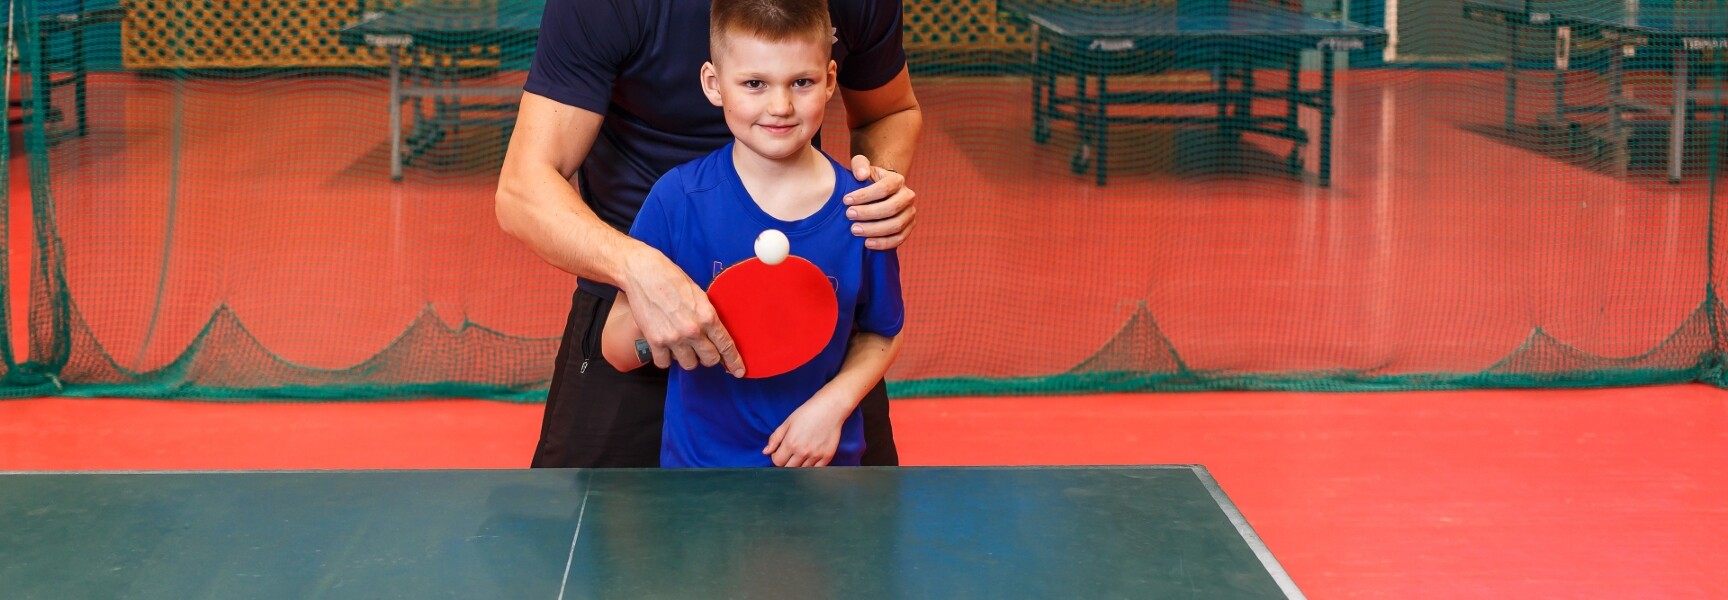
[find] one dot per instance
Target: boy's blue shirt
(701, 217)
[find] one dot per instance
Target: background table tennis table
(1045, 532)
(64, 69)
(447, 34)
(1678, 33)
(1090, 42)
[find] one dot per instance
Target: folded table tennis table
(1092, 42)
(448, 34)
(1678, 34)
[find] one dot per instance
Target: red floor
(1441, 246)
(1495, 494)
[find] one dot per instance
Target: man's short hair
(771, 20)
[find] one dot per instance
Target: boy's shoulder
(844, 181)
(702, 175)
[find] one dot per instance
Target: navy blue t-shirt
(703, 219)
(638, 62)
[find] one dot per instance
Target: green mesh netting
(1113, 195)
(8, 363)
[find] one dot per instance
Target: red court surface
(1441, 246)
(1491, 494)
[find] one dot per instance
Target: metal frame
(1625, 39)
(448, 106)
(445, 32)
(59, 72)
(1230, 56)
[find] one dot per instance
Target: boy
(772, 76)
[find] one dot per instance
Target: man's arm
(537, 203)
(885, 123)
(810, 436)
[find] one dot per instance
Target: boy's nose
(780, 102)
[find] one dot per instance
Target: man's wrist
(633, 253)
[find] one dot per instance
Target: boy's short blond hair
(771, 20)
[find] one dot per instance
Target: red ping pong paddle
(780, 316)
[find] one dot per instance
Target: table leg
(396, 114)
(1677, 129)
(1294, 102)
(1083, 122)
(1103, 127)
(1040, 124)
(1221, 79)
(80, 90)
(1245, 102)
(1562, 65)
(1293, 108)
(1511, 76)
(1326, 75)
(1618, 130)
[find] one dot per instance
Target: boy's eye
(804, 83)
(754, 84)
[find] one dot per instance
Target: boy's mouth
(778, 129)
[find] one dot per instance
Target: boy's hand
(810, 435)
(882, 211)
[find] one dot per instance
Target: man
(612, 102)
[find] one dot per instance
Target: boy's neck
(788, 189)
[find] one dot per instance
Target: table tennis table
(1090, 41)
(1162, 531)
(1678, 33)
(66, 68)
(448, 34)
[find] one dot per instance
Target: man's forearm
(544, 211)
(889, 141)
(537, 203)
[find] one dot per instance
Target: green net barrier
(9, 371)
(1113, 196)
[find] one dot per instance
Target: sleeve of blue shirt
(873, 31)
(881, 310)
(583, 45)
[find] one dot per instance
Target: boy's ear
(833, 73)
(711, 82)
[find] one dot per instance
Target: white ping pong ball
(772, 246)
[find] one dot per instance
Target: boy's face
(773, 93)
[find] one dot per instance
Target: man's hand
(882, 211)
(811, 434)
(675, 316)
